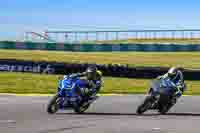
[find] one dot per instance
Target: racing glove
(179, 91)
(92, 88)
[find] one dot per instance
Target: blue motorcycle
(160, 97)
(71, 95)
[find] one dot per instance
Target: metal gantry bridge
(108, 35)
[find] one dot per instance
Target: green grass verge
(167, 59)
(27, 83)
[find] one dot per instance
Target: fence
(91, 36)
(99, 47)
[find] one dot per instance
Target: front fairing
(162, 86)
(67, 87)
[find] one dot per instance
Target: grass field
(45, 84)
(184, 59)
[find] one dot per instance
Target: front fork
(155, 101)
(63, 101)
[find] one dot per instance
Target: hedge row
(113, 70)
(98, 47)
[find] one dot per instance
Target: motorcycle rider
(94, 81)
(176, 76)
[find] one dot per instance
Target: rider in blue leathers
(176, 76)
(94, 81)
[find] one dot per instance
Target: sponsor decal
(49, 69)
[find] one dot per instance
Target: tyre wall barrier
(113, 70)
(99, 47)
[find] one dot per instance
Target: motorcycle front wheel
(53, 104)
(145, 105)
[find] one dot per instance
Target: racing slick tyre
(53, 105)
(145, 105)
(165, 106)
(164, 109)
(80, 109)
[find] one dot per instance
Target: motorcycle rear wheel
(164, 109)
(166, 106)
(80, 109)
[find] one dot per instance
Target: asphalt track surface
(109, 114)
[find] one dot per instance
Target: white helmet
(172, 72)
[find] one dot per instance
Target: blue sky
(17, 16)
